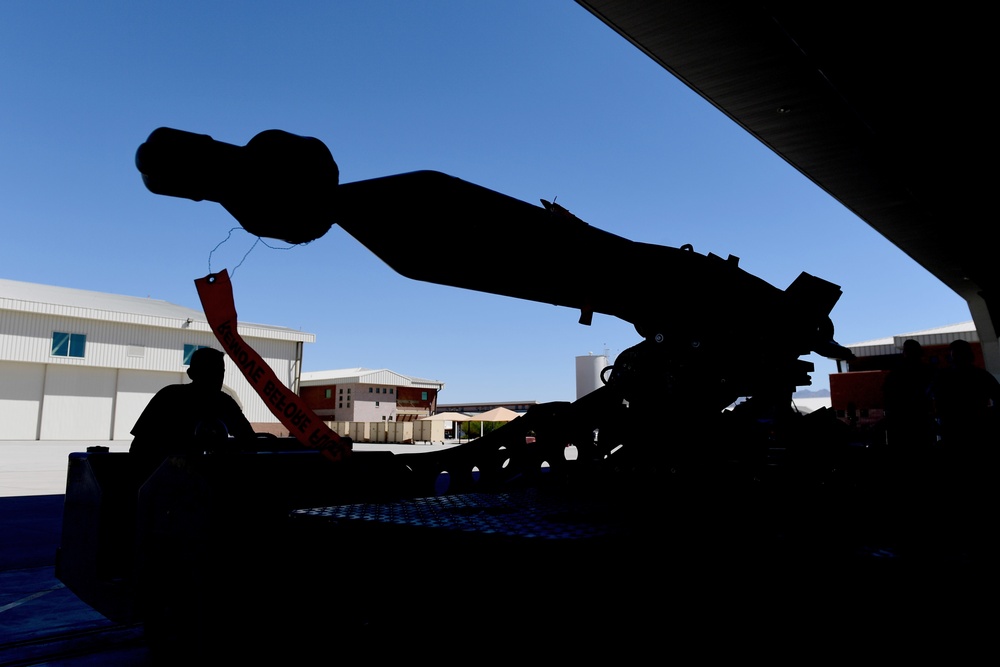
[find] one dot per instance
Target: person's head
(207, 368)
(912, 350)
(961, 353)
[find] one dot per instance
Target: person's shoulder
(174, 390)
(987, 377)
(172, 394)
(228, 400)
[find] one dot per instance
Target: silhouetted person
(966, 400)
(177, 515)
(909, 409)
(183, 418)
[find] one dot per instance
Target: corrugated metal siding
(873, 350)
(936, 336)
(366, 376)
(894, 345)
(21, 387)
(28, 337)
(78, 403)
(135, 389)
(82, 304)
(338, 376)
(90, 315)
(128, 357)
(944, 338)
(280, 356)
(384, 377)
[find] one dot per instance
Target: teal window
(423, 396)
(189, 350)
(68, 345)
(328, 393)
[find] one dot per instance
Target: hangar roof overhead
(882, 108)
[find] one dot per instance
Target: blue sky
(534, 99)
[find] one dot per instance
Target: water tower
(588, 373)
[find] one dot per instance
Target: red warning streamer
(216, 293)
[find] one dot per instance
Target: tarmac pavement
(38, 467)
(41, 621)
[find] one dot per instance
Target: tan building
(368, 395)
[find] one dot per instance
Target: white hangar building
(81, 365)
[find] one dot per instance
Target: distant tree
(474, 429)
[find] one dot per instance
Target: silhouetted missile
(279, 185)
(436, 228)
(433, 227)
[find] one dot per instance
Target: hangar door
(135, 389)
(20, 399)
(78, 403)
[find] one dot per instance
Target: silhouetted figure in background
(966, 399)
(909, 410)
(182, 418)
(180, 422)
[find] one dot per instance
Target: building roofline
(101, 306)
(363, 375)
(936, 336)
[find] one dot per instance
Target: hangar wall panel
(78, 403)
(130, 347)
(28, 337)
(20, 400)
(128, 357)
(280, 356)
(135, 389)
